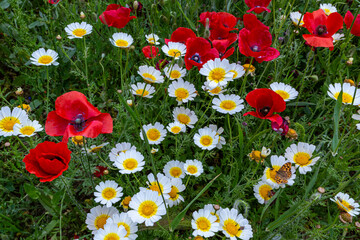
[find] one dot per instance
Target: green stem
(60, 214)
(243, 85)
(187, 181)
(22, 144)
(86, 71)
(71, 196)
(89, 167)
(47, 91)
(228, 118)
(121, 77)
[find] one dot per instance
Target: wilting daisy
(230, 104)
(155, 133)
(301, 155)
(9, 118)
(121, 40)
(143, 90)
(44, 57)
(129, 162)
(346, 203)
(176, 127)
(119, 148)
(93, 149)
(347, 95)
(124, 220)
(26, 107)
(176, 187)
(108, 193)
(147, 207)
(295, 18)
(237, 69)
(234, 225)
(204, 223)
(206, 138)
(357, 117)
(213, 92)
(98, 217)
(259, 156)
(125, 202)
(78, 140)
(182, 90)
(217, 72)
(174, 72)
(174, 169)
(278, 175)
(152, 39)
(185, 116)
(328, 8)
(163, 187)
(338, 37)
(27, 129)
(218, 131)
(285, 91)
(110, 231)
(174, 50)
(193, 167)
(263, 192)
(150, 74)
(78, 30)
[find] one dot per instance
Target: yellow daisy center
(183, 118)
(130, 164)
(46, 59)
(153, 134)
(302, 158)
(344, 205)
(181, 93)
(217, 74)
(228, 105)
(235, 73)
(264, 192)
(108, 193)
(112, 236)
(346, 98)
(175, 129)
(192, 169)
(216, 90)
(126, 226)
(7, 123)
(203, 224)
(151, 40)
(198, 238)
(327, 11)
(155, 187)
(249, 67)
(232, 228)
(147, 209)
(174, 53)
(175, 172)
(121, 43)
(175, 74)
(79, 32)
(174, 193)
(27, 130)
(142, 92)
(149, 77)
(255, 155)
(100, 221)
(283, 94)
(206, 140)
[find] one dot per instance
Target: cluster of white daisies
(16, 122)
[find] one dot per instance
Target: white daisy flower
(174, 50)
(93, 149)
(237, 69)
(213, 211)
(119, 148)
(295, 18)
(234, 225)
(185, 116)
(213, 92)
(357, 117)
(217, 72)
(182, 90)
(348, 95)
(285, 91)
(98, 217)
(111, 231)
(230, 104)
(108, 193)
(78, 30)
(155, 133)
(287, 176)
(204, 223)
(193, 167)
(143, 90)
(152, 39)
(338, 37)
(301, 155)
(346, 203)
(147, 207)
(174, 72)
(129, 162)
(44, 57)
(328, 8)
(165, 184)
(176, 127)
(174, 169)
(218, 131)
(124, 220)
(176, 187)
(150, 74)
(263, 192)
(8, 120)
(206, 138)
(27, 129)
(121, 40)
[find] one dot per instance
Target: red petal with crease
(55, 125)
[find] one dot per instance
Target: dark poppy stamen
(79, 123)
(255, 48)
(264, 111)
(321, 30)
(196, 57)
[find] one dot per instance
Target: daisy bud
(265, 152)
(7, 144)
(318, 226)
(349, 81)
(350, 61)
(106, 172)
(102, 55)
(132, 47)
(19, 91)
(345, 217)
(129, 102)
(135, 5)
(82, 15)
(58, 37)
(216, 207)
(357, 224)
(321, 190)
(119, 91)
(292, 134)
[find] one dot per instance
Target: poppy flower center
(79, 123)
(196, 57)
(255, 48)
(264, 111)
(321, 30)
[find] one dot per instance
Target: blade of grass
(335, 141)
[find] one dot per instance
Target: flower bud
(350, 61)
(135, 5)
(58, 37)
(216, 207)
(321, 190)
(82, 15)
(154, 150)
(106, 172)
(345, 217)
(7, 144)
(19, 91)
(292, 134)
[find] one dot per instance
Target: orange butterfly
(283, 174)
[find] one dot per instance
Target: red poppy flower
(74, 116)
(53, 1)
(266, 102)
(48, 160)
(181, 35)
(222, 47)
(198, 52)
(116, 16)
(258, 6)
(219, 20)
(349, 18)
(251, 22)
(150, 51)
(322, 28)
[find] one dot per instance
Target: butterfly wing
(283, 174)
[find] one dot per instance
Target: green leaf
(335, 141)
(47, 230)
(4, 4)
(180, 216)
(284, 217)
(31, 191)
(187, 19)
(300, 104)
(312, 181)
